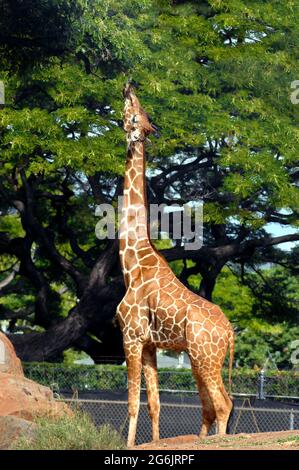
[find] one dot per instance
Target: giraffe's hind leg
(207, 354)
(216, 404)
(220, 399)
(208, 410)
(149, 362)
(224, 412)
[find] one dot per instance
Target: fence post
(261, 394)
(292, 420)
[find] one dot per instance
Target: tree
(215, 76)
(264, 311)
(34, 31)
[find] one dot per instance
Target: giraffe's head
(136, 122)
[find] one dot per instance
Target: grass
(219, 439)
(71, 433)
(243, 441)
(288, 439)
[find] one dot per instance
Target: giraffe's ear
(133, 83)
(155, 130)
(129, 87)
(125, 90)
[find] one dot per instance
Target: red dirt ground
(282, 440)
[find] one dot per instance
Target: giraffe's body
(158, 311)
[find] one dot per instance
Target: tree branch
(228, 251)
(10, 277)
(8, 314)
(38, 233)
(97, 304)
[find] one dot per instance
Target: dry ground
(283, 440)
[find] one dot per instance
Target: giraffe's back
(174, 308)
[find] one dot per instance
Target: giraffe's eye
(134, 119)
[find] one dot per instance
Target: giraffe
(158, 311)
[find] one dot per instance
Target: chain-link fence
(179, 418)
(103, 377)
(263, 402)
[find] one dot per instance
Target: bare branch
(228, 251)
(8, 314)
(5, 282)
(39, 234)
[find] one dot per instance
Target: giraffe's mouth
(136, 136)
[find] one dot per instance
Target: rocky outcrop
(21, 400)
(9, 362)
(27, 399)
(11, 428)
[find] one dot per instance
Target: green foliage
(276, 294)
(32, 31)
(114, 378)
(265, 319)
(235, 299)
(71, 433)
(164, 48)
(264, 328)
(215, 76)
(71, 355)
(75, 376)
(11, 224)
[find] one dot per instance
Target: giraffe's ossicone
(158, 311)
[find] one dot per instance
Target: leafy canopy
(214, 75)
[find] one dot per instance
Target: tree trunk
(93, 314)
(207, 286)
(209, 277)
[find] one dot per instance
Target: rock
(12, 427)
(9, 362)
(26, 399)
(22, 397)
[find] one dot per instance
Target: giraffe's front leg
(133, 352)
(149, 362)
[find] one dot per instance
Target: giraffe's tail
(231, 342)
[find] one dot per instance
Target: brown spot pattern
(158, 311)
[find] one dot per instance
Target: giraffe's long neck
(134, 232)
